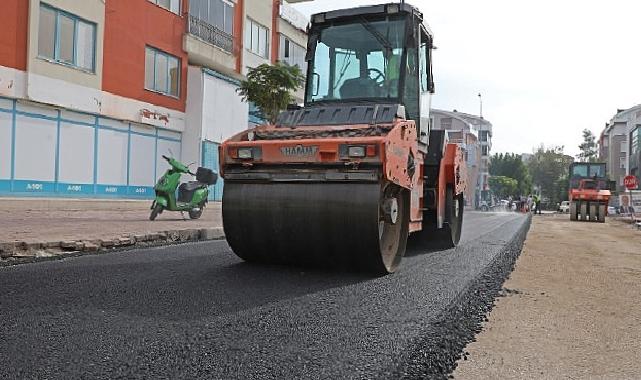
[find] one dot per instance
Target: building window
(634, 140)
(162, 72)
(170, 5)
(66, 38)
(257, 38)
(484, 150)
(213, 21)
(292, 53)
(217, 13)
(483, 135)
(446, 123)
(622, 162)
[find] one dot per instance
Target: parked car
(564, 206)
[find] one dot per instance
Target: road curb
(21, 252)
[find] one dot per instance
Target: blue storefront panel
(6, 126)
(210, 160)
(49, 152)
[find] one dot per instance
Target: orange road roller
(344, 181)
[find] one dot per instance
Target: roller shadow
(415, 247)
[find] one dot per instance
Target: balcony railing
(211, 34)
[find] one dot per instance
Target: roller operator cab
(343, 181)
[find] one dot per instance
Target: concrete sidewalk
(32, 228)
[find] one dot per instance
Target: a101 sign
(630, 182)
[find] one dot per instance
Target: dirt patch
(569, 310)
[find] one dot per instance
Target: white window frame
(155, 88)
(296, 52)
(229, 9)
(173, 9)
(58, 13)
(249, 38)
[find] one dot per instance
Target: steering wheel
(379, 78)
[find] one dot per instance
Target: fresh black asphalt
(197, 311)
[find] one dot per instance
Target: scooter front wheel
(155, 211)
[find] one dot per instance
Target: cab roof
(381, 9)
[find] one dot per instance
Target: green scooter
(192, 196)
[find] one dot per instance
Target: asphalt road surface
(197, 311)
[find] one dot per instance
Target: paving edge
(18, 252)
(435, 355)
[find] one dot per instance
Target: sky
(546, 69)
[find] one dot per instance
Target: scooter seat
(192, 185)
(186, 190)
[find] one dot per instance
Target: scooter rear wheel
(196, 213)
(155, 211)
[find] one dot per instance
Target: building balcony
(208, 46)
(211, 34)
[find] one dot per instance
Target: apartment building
(94, 92)
(475, 139)
(619, 145)
(613, 150)
(224, 39)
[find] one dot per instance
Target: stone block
(7, 249)
(23, 253)
(211, 234)
(52, 245)
(91, 247)
(32, 246)
(68, 245)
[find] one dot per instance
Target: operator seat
(359, 88)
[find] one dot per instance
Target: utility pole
(481, 105)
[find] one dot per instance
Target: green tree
(588, 147)
(511, 165)
(503, 186)
(549, 170)
(270, 87)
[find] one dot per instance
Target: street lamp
(481, 105)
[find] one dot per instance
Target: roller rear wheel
(454, 205)
(583, 211)
(573, 211)
(602, 212)
(431, 237)
(593, 212)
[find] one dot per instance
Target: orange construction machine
(589, 191)
(343, 181)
